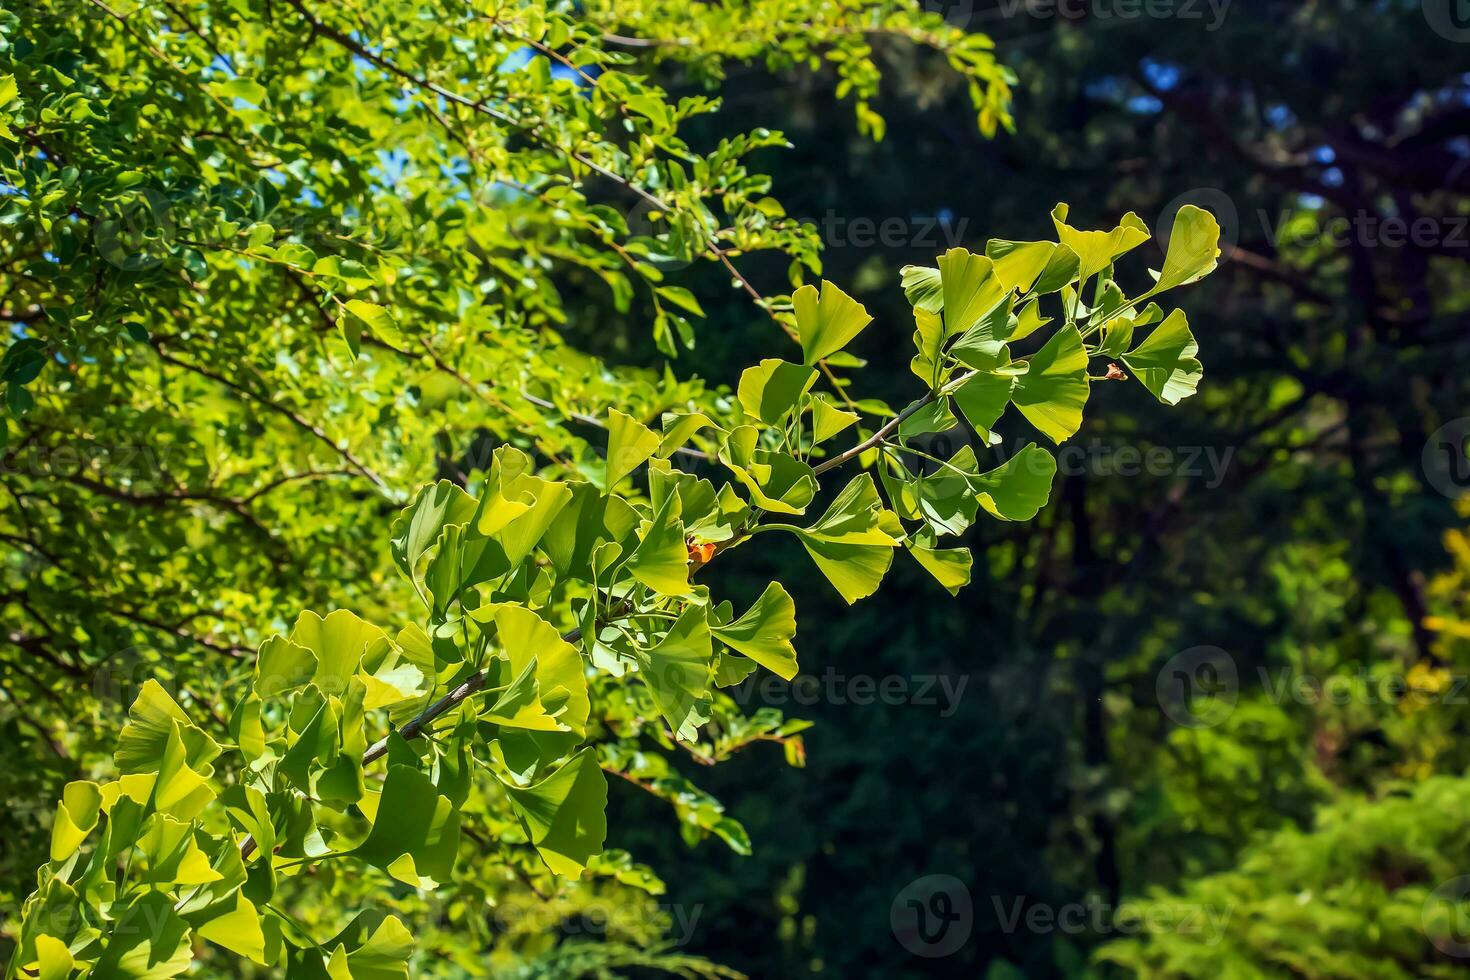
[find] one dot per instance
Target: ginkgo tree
(268, 271)
(359, 746)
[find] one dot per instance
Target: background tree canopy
(272, 267)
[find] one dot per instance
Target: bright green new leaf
(418, 527)
(679, 427)
(1017, 489)
(983, 345)
(1194, 246)
(564, 814)
(76, 815)
(629, 445)
(827, 323)
(853, 541)
(282, 666)
(1096, 250)
(776, 481)
(511, 479)
(238, 930)
(828, 420)
(1166, 363)
(949, 566)
(153, 719)
(923, 287)
(147, 940)
(983, 399)
(971, 289)
(373, 947)
(773, 388)
(1052, 393)
(415, 835)
(1019, 264)
(528, 639)
(678, 671)
(343, 644)
(661, 560)
(765, 631)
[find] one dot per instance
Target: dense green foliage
(273, 266)
(296, 259)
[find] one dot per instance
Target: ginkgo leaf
(237, 930)
(1165, 362)
(983, 399)
(282, 666)
(1194, 247)
(511, 478)
(949, 566)
(929, 342)
(173, 854)
(971, 289)
(341, 642)
(564, 814)
(153, 719)
(661, 560)
(1053, 392)
(828, 420)
(983, 345)
(374, 946)
(1018, 488)
(629, 445)
(772, 388)
(853, 542)
(147, 940)
(826, 323)
(53, 959)
(418, 527)
(923, 287)
(1096, 250)
(679, 427)
(76, 815)
(678, 671)
(1019, 264)
(415, 835)
(528, 639)
(764, 632)
(776, 481)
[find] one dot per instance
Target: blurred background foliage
(1291, 522)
